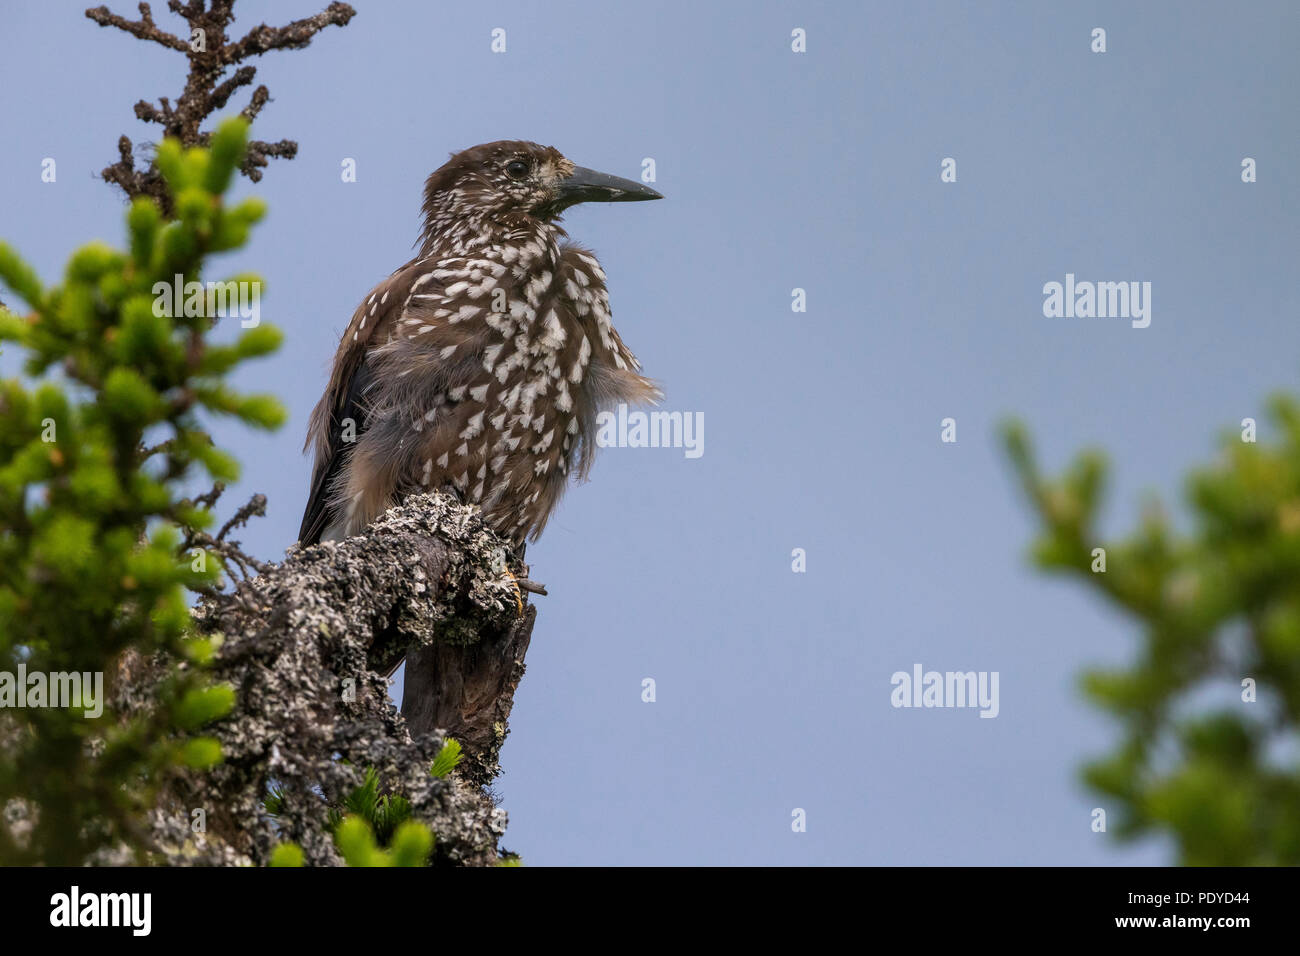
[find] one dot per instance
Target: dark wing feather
(371, 326)
(319, 514)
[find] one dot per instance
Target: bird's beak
(587, 185)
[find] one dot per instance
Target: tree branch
(207, 88)
(306, 645)
(144, 28)
(294, 36)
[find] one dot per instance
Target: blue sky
(817, 171)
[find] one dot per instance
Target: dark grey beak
(587, 185)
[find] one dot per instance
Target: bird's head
(501, 182)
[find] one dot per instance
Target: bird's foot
(521, 583)
(519, 593)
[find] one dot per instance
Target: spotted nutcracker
(479, 366)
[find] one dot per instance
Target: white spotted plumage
(500, 328)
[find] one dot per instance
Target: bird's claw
(519, 593)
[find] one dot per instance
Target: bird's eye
(517, 169)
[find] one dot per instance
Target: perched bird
(480, 365)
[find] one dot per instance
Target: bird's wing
(372, 325)
(319, 513)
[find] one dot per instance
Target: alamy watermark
(1102, 300)
(922, 688)
(637, 429)
(75, 908)
(232, 299)
(65, 689)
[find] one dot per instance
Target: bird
(479, 367)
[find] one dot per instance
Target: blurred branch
(1219, 611)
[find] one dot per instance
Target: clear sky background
(822, 429)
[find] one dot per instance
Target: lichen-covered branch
(306, 645)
